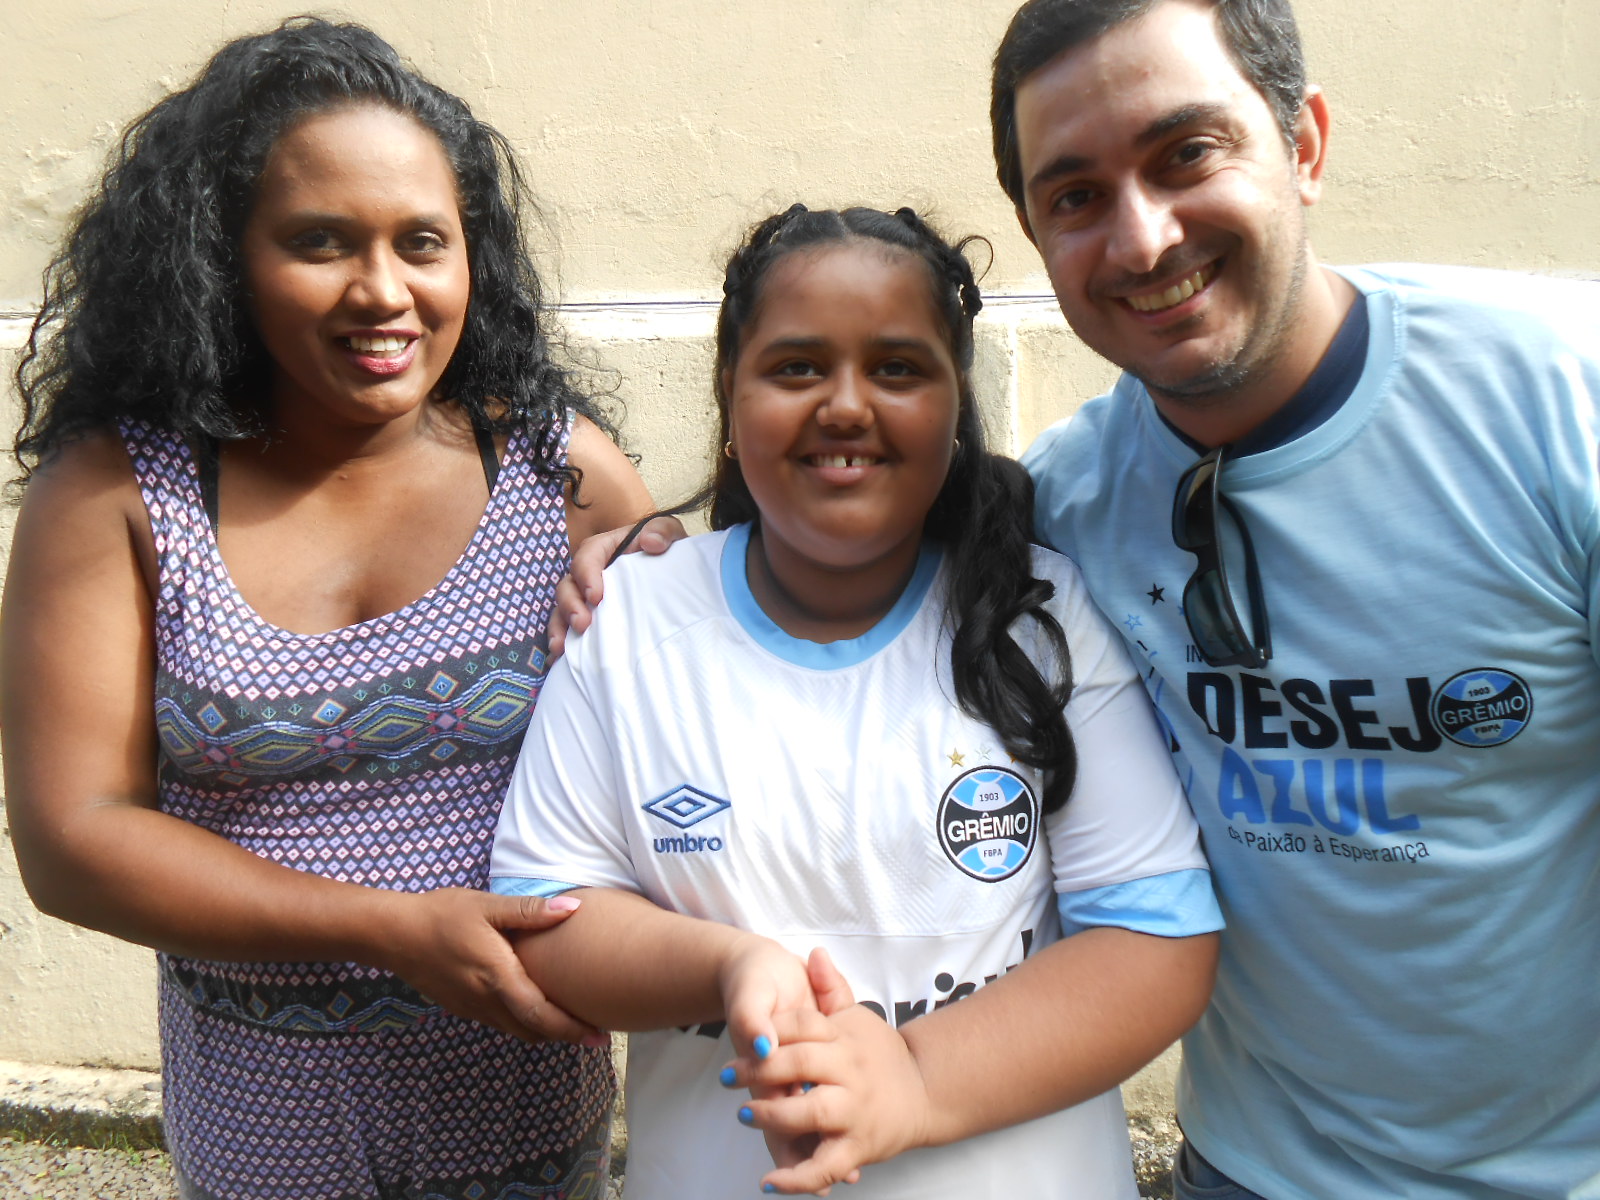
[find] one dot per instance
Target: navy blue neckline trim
(821, 656)
(1331, 384)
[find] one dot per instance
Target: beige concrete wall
(656, 130)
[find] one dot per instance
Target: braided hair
(145, 311)
(982, 515)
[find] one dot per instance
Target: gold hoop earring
(728, 451)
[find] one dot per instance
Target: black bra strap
(489, 455)
(206, 465)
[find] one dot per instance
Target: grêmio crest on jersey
(988, 823)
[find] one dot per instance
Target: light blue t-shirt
(1402, 810)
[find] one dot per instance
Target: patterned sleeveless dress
(378, 754)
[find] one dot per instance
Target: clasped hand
(452, 946)
(833, 1086)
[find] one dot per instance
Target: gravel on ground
(40, 1171)
(45, 1171)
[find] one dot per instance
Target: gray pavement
(75, 1133)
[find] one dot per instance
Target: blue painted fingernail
(769, 1187)
(746, 1116)
(728, 1076)
(806, 1087)
(763, 1045)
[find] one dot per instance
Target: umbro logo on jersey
(683, 807)
(988, 823)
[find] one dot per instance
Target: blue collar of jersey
(821, 656)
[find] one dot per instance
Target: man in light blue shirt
(1349, 524)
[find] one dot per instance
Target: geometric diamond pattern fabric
(396, 725)
(447, 1111)
(377, 754)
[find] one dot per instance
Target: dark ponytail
(983, 519)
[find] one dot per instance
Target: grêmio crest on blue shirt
(1252, 715)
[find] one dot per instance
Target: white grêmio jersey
(835, 795)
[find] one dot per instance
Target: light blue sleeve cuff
(1177, 904)
(507, 885)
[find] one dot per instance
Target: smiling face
(356, 265)
(842, 406)
(1169, 209)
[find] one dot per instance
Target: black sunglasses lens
(1213, 618)
(1213, 621)
(1194, 519)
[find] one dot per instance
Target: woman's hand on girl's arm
(454, 946)
(77, 710)
(1078, 1018)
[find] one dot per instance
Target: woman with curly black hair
(301, 476)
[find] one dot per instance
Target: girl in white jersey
(863, 715)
